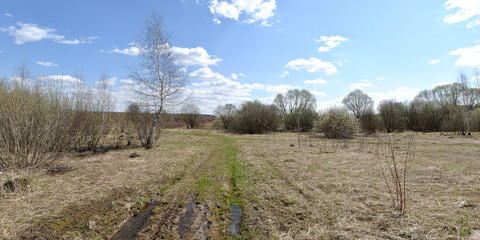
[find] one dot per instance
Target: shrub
(338, 123)
(36, 124)
(254, 118)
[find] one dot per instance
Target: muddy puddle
(234, 224)
(133, 226)
(194, 223)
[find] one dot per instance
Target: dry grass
(91, 179)
(286, 192)
(314, 192)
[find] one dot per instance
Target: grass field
(326, 189)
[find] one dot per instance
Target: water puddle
(234, 225)
(133, 226)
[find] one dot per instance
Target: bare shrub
(36, 125)
(225, 115)
(140, 122)
(338, 123)
(393, 166)
(190, 114)
(255, 118)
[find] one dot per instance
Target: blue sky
(241, 50)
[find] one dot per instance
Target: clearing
(200, 184)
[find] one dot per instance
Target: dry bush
(393, 166)
(36, 125)
(338, 123)
(255, 118)
(141, 120)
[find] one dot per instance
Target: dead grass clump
(16, 185)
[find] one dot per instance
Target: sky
(240, 50)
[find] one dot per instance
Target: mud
(191, 221)
(193, 224)
(133, 226)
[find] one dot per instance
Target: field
(324, 189)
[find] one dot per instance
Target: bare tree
(190, 113)
(297, 108)
(470, 98)
(358, 102)
(159, 80)
(226, 114)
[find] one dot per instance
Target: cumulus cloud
(281, 88)
(194, 56)
(206, 73)
(398, 94)
(361, 85)
(127, 81)
(29, 32)
(469, 56)
(131, 51)
(318, 94)
(47, 64)
(253, 10)
(330, 42)
(62, 79)
(183, 56)
(9, 15)
(109, 82)
(312, 65)
(465, 9)
(434, 61)
(284, 74)
(218, 89)
(318, 81)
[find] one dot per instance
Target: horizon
(252, 50)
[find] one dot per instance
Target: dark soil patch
(133, 226)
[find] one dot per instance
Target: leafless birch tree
(159, 79)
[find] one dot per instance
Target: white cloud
(131, 51)
(312, 65)
(362, 84)
(62, 79)
(434, 61)
(194, 56)
(9, 15)
(381, 79)
(234, 76)
(109, 82)
(330, 42)
(469, 56)
(282, 88)
(473, 23)
(399, 94)
(284, 74)
(218, 89)
(242, 75)
(253, 10)
(318, 81)
(47, 64)
(324, 105)
(29, 32)
(319, 94)
(466, 9)
(206, 73)
(127, 81)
